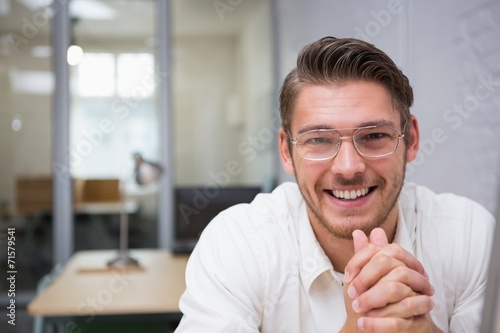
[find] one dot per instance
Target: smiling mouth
(351, 194)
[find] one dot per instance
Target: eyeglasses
(369, 141)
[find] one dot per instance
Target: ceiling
(104, 22)
(127, 18)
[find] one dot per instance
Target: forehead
(352, 104)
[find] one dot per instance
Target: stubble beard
(351, 220)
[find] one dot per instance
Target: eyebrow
(380, 122)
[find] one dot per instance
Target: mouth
(351, 194)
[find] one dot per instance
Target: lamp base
(123, 261)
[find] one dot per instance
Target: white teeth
(350, 195)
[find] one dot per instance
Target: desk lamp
(145, 173)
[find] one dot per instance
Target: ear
(285, 154)
(414, 142)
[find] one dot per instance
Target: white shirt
(259, 268)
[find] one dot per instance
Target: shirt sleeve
(224, 283)
(472, 261)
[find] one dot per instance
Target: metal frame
(62, 206)
(166, 196)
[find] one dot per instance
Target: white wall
(25, 152)
(448, 49)
(451, 70)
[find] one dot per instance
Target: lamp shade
(146, 172)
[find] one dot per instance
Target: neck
(340, 250)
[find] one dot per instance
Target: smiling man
(349, 247)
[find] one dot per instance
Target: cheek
(400, 156)
(311, 171)
(389, 168)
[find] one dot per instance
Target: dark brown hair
(333, 60)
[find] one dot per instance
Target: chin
(345, 230)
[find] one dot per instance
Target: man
(350, 247)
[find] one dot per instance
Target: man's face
(376, 182)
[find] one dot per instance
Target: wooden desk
(86, 287)
(106, 208)
(89, 208)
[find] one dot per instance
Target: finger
(397, 252)
(364, 254)
(383, 269)
(362, 257)
(384, 325)
(381, 295)
(378, 237)
(352, 317)
(396, 325)
(360, 240)
(371, 270)
(408, 307)
(413, 279)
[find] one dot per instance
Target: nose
(348, 162)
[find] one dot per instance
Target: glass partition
(113, 115)
(26, 87)
(222, 92)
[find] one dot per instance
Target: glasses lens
(318, 145)
(376, 141)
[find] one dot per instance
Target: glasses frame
(356, 129)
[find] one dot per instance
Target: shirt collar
(405, 228)
(313, 260)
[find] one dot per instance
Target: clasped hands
(386, 288)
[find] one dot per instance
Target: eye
(376, 136)
(318, 141)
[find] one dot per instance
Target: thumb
(378, 237)
(360, 240)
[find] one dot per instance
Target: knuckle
(401, 273)
(409, 306)
(418, 305)
(372, 248)
(425, 306)
(395, 325)
(392, 290)
(396, 250)
(382, 260)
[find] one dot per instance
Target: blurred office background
(192, 85)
